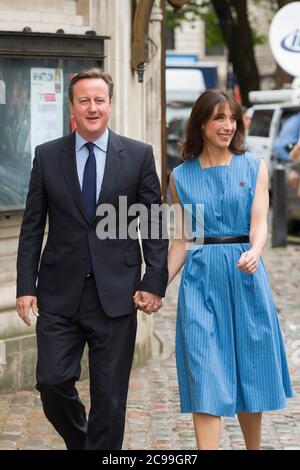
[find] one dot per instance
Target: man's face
(91, 107)
(219, 130)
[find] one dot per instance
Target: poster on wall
(46, 105)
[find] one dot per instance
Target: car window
(261, 122)
(178, 111)
(286, 114)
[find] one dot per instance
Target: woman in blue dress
(229, 350)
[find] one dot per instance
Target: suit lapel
(112, 167)
(67, 159)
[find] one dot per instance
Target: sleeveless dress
(230, 354)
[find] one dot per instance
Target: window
(170, 37)
(261, 122)
(34, 100)
(218, 50)
(286, 114)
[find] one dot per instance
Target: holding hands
(147, 302)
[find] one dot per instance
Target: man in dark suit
(86, 282)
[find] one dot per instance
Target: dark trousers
(60, 344)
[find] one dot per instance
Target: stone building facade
(136, 114)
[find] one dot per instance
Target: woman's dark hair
(202, 111)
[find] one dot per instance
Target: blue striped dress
(229, 350)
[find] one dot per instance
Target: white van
(267, 120)
(184, 84)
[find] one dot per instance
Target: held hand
(147, 302)
(23, 306)
(248, 262)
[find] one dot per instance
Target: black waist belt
(219, 240)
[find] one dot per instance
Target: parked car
(267, 120)
(175, 135)
(186, 79)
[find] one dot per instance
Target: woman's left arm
(249, 260)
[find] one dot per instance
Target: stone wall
(136, 113)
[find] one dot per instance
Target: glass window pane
(23, 104)
(261, 122)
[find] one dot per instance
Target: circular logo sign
(284, 37)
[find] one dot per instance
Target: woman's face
(219, 130)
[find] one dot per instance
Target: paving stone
(154, 420)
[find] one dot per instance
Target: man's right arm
(31, 238)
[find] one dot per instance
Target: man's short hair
(92, 72)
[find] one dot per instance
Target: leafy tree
(235, 26)
(228, 22)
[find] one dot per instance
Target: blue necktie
(89, 183)
(89, 190)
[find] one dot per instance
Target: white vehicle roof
(184, 84)
(287, 104)
(286, 95)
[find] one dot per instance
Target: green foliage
(213, 33)
(190, 12)
(193, 11)
(197, 9)
(258, 38)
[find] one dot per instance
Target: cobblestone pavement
(153, 418)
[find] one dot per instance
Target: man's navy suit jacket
(57, 277)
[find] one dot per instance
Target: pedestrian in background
(288, 137)
(229, 348)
